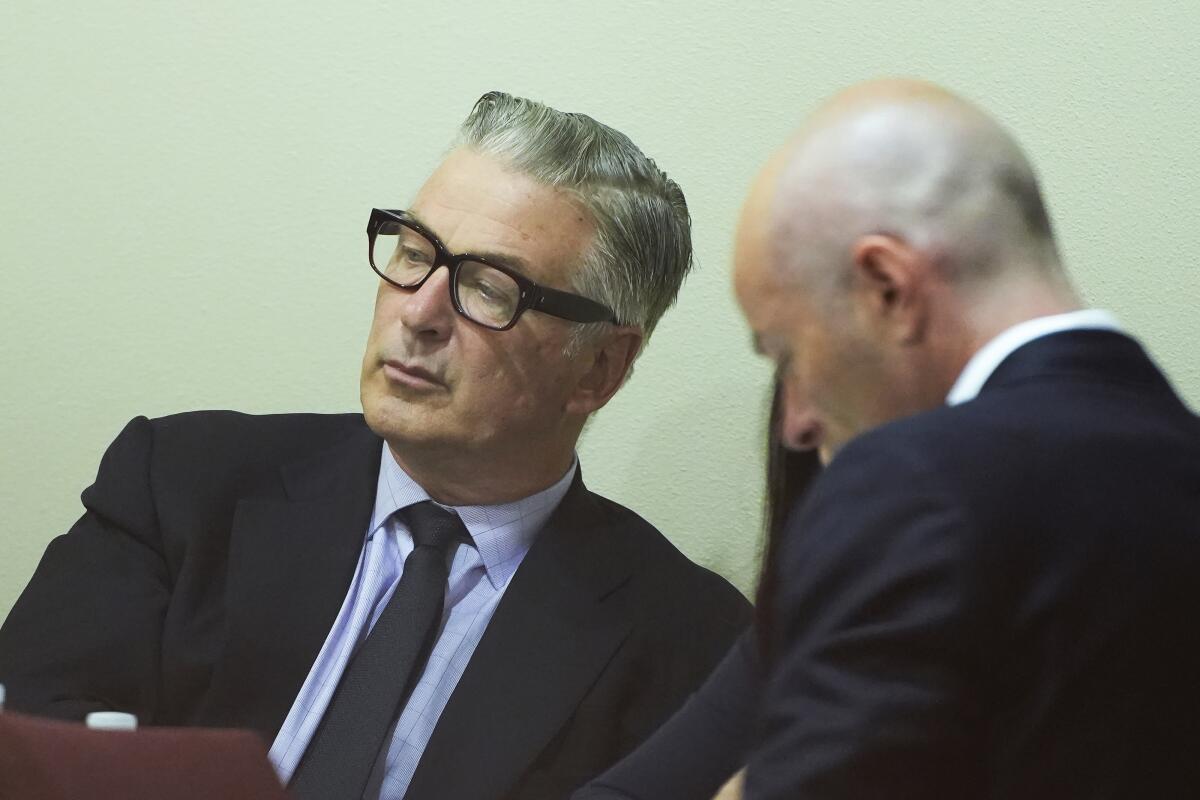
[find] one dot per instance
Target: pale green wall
(164, 167)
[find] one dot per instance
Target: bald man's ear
(891, 281)
(607, 365)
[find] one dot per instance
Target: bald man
(992, 590)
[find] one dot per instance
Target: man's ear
(609, 363)
(891, 278)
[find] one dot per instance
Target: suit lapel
(291, 560)
(558, 624)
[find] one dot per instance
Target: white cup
(111, 721)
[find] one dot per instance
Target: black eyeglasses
(404, 253)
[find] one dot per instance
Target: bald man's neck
(1003, 303)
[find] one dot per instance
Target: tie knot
(433, 526)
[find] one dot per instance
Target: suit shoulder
(945, 442)
(224, 433)
(237, 424)
(206, 457)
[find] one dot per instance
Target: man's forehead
(477, 204)
(758, 288)
(776, 313)
(467, 182)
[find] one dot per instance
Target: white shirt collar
(987, 358)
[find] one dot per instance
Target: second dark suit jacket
(216, 551)
(999, 599)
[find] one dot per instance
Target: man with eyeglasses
(423, 601)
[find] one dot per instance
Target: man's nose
(429, 309)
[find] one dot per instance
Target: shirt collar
(501, 533)
(981, 365)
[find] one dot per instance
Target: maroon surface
(50, 760)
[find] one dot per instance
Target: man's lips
(410, 375)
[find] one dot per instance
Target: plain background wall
(184, 188)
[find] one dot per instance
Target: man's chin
(404, 426)
(391, 417)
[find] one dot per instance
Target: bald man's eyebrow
(756, 343)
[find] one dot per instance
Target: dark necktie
(382, 673)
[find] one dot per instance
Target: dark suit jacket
(999, 599)
(217, 548)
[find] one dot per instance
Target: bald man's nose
(800, 428)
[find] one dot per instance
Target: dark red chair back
(49, 760)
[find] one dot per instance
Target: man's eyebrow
(514, 262)
(510, 260)
(756, 343)
(417, 219)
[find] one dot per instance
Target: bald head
(899, 230)
(914, 161)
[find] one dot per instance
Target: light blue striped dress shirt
(502, 535)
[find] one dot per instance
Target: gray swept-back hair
(642, 248)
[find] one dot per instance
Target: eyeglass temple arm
(573, 307)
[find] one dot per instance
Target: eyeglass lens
(405, 255)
